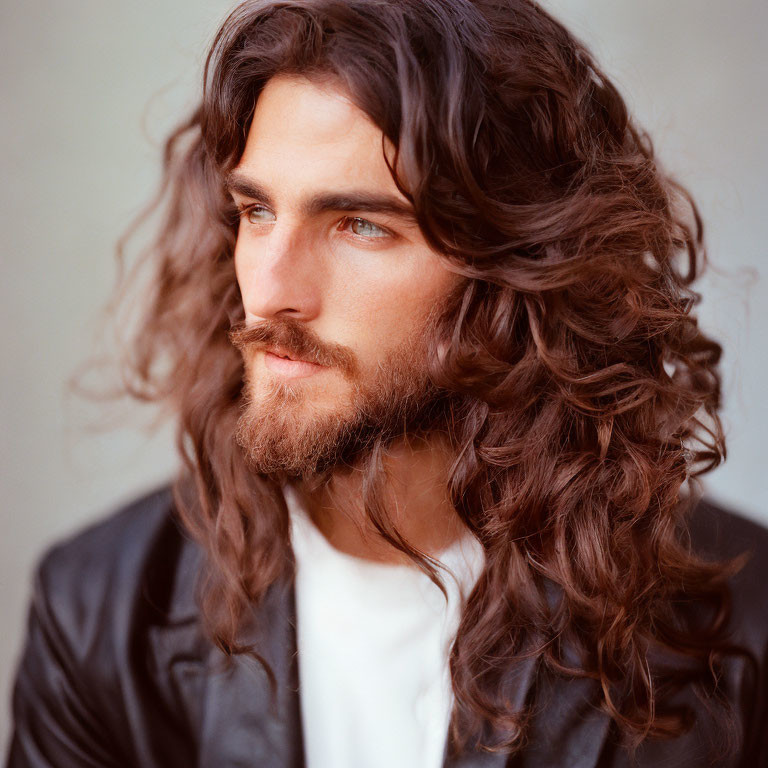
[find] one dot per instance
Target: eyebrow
(322, 202)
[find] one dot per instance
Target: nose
(277, 274)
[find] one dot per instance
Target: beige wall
(79, 159)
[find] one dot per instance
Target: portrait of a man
(424, 313)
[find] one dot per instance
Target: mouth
(278, 360)
(283, 353)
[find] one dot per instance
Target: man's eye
(257, 214)
(364, 228)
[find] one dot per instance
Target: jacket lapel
(241, 725)
(229, 713)
(517, 685)
(566, 729)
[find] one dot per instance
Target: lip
(289, 369)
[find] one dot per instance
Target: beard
(283, 433)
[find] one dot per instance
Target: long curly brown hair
(582, 399)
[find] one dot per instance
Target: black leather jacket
(116, 672)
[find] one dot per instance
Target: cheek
(415, 293)
(391, 306)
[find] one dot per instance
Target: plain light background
(89, 90)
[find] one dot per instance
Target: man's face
(332, 269)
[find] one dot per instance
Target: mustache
(299, 340)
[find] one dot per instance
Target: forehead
(306, 133)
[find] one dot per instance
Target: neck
(414, 494)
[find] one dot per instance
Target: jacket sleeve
(56, 723)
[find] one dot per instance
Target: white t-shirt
(373, 641)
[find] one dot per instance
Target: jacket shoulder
(720, 533)
(94, 594)
(102, 541)
(96, 580)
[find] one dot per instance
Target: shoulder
(85, 683)
(116, 536)
(100, 553)
(721, 533)
(112, 573)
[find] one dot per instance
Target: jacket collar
(232, 714)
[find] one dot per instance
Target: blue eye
(254, 214)
(365, 228)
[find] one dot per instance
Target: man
(442, 405)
